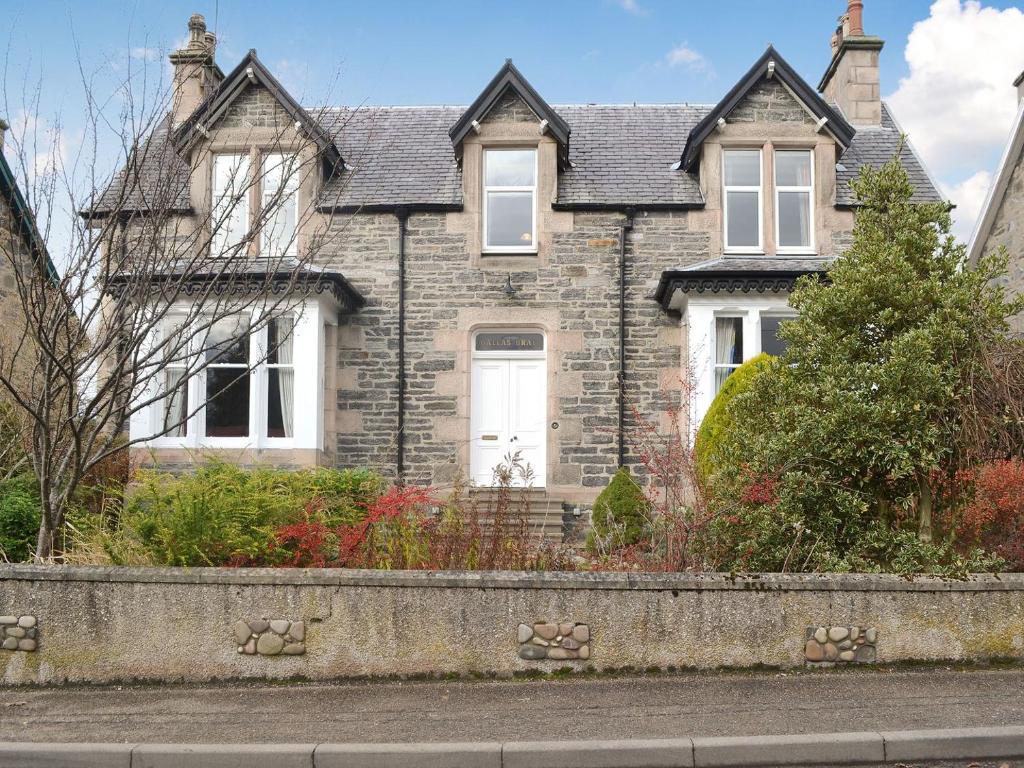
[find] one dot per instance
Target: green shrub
(223, 514)
(20, 510)
(621, 513)
(718, 419)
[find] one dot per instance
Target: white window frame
(293, 244)
(308, 361)
(219, 241)
(487, 189)
(759, 189)
(794, 249)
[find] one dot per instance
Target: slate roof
(620, 155)
(875, 146)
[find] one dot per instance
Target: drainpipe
(402, 214)
(624, 227)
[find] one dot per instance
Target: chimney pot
(3, 133)
(855, 13)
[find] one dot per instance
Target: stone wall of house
(1008, 231)
(104, 625)
(256, 107)
(769, 102)
(510, 108)
(447, 295)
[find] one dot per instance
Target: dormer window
(510, 200)
(230, 210)
(281, 203)
(794, 200)
(742, 193)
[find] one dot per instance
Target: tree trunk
(924, 507)
(44, 541)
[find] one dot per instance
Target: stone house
(20, 243)
(1001, 221)
(521, 276)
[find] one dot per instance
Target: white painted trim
(487, 248)
(997, 189)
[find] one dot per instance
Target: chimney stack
(196, 74)
(1019, 82)
(852, 78)
(3, 133)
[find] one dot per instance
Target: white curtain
(286, 375)
(177, 403)
(725, 346)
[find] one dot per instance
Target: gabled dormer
(242, 89)
(511, 146)
(768, 73)
(507, 96)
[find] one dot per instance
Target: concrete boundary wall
(164, 624)
(863, 749)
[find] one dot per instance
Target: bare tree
(152, 277)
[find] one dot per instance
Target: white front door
(509, 404)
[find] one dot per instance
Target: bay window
(510, 200)
(255, 387)
(728, 348)
(742, 199)
(794, 200)
(230, 210)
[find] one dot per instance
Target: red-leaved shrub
(994, 517)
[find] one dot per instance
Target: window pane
(175, 406)
(771, 343)
(227, 341)
(510, 167)
(280, 185)
(280, 401)
(279, 340)
(728, 340)
(794, 219)
(742, 168)
(793, 168)
(510, 219)
(743, 221)
(230, 220)
(227, 402)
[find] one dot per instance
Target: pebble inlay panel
(840, 645)
(20, 633)
(270, 637)
(547, 640)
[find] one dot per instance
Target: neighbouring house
(520, 276)
(1001, 221)
(20, 244)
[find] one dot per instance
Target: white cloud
(958, 102)
(685, 56)
(969, 196)
(631, 6)
(145, 54)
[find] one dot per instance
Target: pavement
(576, 708)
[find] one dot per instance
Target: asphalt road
(730, 704)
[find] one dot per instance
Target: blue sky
(580, 50)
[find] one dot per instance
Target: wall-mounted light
(508, 289)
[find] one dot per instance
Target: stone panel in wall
(19, 633)
(270, 637)
(842, 645)
(554, 641)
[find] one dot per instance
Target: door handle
(488, 437)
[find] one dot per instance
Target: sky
(947, 67)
